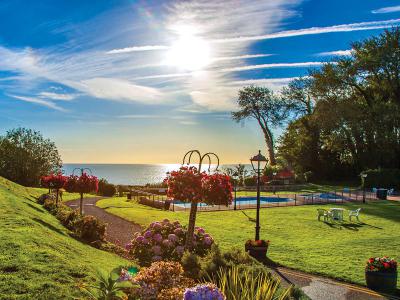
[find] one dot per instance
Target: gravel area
(119, 231)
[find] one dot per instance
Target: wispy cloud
(385, 10)
(57, 96)
(38, 101)
(336, 53)
(138, 49)
(316, 30)
(274, 65)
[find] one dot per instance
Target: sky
(118, 81)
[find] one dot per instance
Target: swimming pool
(242, 201)
(325, 196)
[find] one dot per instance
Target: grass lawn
(66, 195)
(38, 258)
(298, 240)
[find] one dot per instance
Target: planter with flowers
(381, 274)
(257, 249)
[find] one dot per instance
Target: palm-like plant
(108, 287)
(243, 284)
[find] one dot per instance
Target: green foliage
(108, 286)
(91, 229)
(106, 189)
(243, 284)
(383, 178)
(250, 181)
(348, 113)
(25, 156)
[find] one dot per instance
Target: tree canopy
(25, 156)
(348, 112)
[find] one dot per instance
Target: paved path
(119, 231)
(322, 288)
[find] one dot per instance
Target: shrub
(165, 241)
(250, 181)
(158, 279)
(70, 218)
(237, 283)
(383, 178)
(205, 292)
(106, 189)
(91, 229)
(50, 205)
(42, 198)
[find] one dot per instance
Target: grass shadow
(35, 208)
(49, 226)
(349, 225)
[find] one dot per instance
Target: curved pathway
(119, 231)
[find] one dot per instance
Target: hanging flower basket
(257, 249)
(381, 274)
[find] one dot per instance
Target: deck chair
(323, 213)
(355, 213)
(390, 192)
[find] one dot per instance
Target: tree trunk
(270, 147)
(56, 197)
(192, 221)
(81, 204)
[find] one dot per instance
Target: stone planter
(381, 281)
(257, 252)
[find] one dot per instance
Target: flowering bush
(217, 189)
(382, 264)
(258, 243)
(53, 181)
(82, 184)
(158, 278)
(185, 184)
(165, 241)
(203, 292)
(91, 229)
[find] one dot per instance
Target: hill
(38, 257)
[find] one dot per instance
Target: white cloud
(57, 96)
(315, 30)
(274, 65)
(385, 10)
(137, 49)
(119, 89)
(336, 53)
(38, 101)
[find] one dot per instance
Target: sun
(189, 52)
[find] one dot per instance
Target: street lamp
(258, 162)
(235, 177)
(363, 176)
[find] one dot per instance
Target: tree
(25, 156)
(268, 110)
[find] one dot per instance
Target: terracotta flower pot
(257, 252)
(381, 281)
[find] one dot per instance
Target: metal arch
(190, 153)
(82, 170)
(208, 154)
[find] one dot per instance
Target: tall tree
(25, 156)
(267, 109)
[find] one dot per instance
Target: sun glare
(190, 52)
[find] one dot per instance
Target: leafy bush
(50, 205)
(44, 197)
(205, 292)
(383, 178)
(157, 279)
(239, 284)
(91, 229)
(106, 189)
(250, 181)
(165, 241)
(70, 218)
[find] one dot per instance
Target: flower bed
(165, 241)
(257, 249)
(381, 273)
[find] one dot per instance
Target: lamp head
(258, 162)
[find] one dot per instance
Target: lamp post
(363, 176)
(273, 182)
(235, 179)
(258, 162)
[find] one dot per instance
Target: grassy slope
(298, 240)
(38, 258)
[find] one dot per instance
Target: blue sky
(144, 81)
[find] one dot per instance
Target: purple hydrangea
(145, 241)
(178, 231)
(140, 239)
(200, 230)
(165, 221)
(157, 237)
(180, 249)
(203, 292)
(156, 258)
(207, 241)
(128, 246)
(148, 234)
(156, 250)
(172, 237)
(156, 225)
(167, 243)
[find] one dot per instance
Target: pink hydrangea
(140, 239)
(157, 237)
(180, 249)
(156, 250)
(178, 231)
(208, 241)
(172, 237)
(167, 243)
(148, 234)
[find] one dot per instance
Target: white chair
(354, 213)
(336, 215)
(322, 213)
(390, 192)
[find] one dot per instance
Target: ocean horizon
(130, 174)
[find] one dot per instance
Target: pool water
(242, 201)
(326, 196)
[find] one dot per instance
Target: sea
(130, 174)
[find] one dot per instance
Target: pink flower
(157, 237)
(167, 243)
(172, 237)
(140, 239)
(180, 249)
(156, 250)
(207, 241)
(148, 234)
